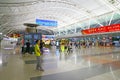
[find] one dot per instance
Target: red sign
(102, 29)
(15, 35)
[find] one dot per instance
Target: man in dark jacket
(28, 46)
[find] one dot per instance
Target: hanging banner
(102, 29)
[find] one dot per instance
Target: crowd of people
(83, 44)
(66, 46)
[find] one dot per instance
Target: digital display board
(36, 36)
(32, 37)
(48, 36)
(49, 23)
(29, 36)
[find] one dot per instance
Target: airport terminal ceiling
(14, 13)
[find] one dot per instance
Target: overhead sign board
(49, 23)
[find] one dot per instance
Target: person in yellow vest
(38, 56)
(62, 47)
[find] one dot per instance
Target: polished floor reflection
(95, 63)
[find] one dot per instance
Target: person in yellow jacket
(38, 56)
(62, 47)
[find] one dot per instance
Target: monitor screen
(49, 23)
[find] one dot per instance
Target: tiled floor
(95, 63)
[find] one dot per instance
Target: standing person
(71, 44)
(28, 46)
(41, 46)
(79, 45)
(38, 56)
(62, 46)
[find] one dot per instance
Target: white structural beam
(91, 15)
(1, 29)
(4, 24)
(111, 18)
(75, 29)
(105, 18)
(9, 31)
(69, 35)
(89, 24)
(4, 29)
(108, 5)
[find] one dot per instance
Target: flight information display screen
(36, 36)
(28, 37)
(49, 23)
(32, 37)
